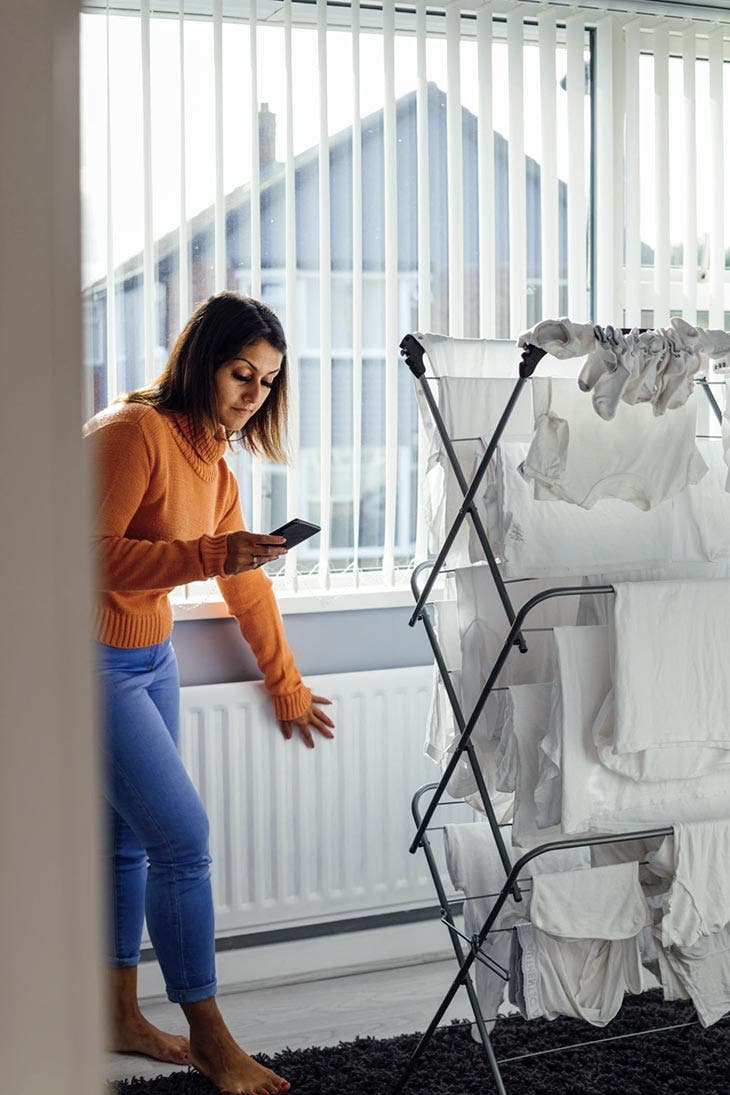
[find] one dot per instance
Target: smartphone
(295, 531)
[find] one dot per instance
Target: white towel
(670, 643)
(598, 903)
(472, 357)
(593, 797)
(696, 859)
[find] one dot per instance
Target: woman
(169, 513)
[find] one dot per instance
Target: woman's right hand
(250, 550)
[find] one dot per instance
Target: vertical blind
(466, 169)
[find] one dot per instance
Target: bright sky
(125, 114)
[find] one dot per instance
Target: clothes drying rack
(469, 950)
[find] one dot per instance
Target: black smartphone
(295, 531)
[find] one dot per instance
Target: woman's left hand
(311, 719)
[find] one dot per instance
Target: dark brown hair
(217, 331)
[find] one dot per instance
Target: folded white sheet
(594, 798)
(671, 667)
(544, 539)
(636, 457)
(655, 764)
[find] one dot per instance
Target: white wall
(50, 1010)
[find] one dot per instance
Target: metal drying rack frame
(413, 353)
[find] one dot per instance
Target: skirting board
(313, 959)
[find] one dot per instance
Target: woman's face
(243, 383)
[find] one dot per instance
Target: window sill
(211, 606)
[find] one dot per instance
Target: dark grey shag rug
(674, 1062)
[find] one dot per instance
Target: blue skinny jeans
(157, 838)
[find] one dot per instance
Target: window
(363, 171)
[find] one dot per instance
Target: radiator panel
(303, 835)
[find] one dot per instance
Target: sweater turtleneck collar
(201, 448)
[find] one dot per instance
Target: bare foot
(137, 1035)
(232, 1071)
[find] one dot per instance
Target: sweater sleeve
(250, 598)
(122, 463)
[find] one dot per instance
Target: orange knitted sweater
(164, 509)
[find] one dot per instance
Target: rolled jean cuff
(192, 996)
(123, 963)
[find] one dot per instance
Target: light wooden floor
(315, 1013)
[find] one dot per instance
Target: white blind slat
(112, 380)
(424, 242)
(577, 209)
(516, 167)
(607, 192)
(257, 478)
(183, 282)
(391, 293)
(148, 257)
(485, 140)
(662, 254)
(325, 299)
(632, 159)
(455, 182)
(689, 236)
(290, 289)
(356, 293)
(548, 165)
(219, 276)
(717, 175)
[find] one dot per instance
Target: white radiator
(305, 835)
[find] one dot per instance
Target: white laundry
(709, 503)
(661, 763)
(700, 973)
(440, 724)
(475, 868)
(594, 798)
(581, 953)
(560, 337)
(698, 901)
(599, 903)
(652, 366)
(637, 457)
(726, 436)
(469, 357)
(670, 692)
(711, 345)
(536, 539)
(526, 722)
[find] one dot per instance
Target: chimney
(267, 138)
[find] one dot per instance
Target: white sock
(560, 337)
